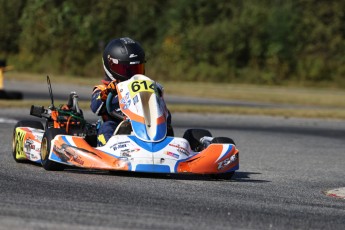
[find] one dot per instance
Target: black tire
(15, 143)
(45, 148)
(3, 94)
(193, 137)
(228, 175)
(14, 95)
(11, 95)
(170, 131)
(223, 140)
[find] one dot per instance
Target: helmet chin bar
(108, 73)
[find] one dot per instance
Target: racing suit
(108, 123)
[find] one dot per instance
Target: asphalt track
(286, 165)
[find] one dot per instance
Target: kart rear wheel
(227, 175)
(15, 142)
(45, 150)
(193, 137)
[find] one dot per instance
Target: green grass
(329, 102)
(255, 93)
(302, 113)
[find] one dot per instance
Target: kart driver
(122, 58)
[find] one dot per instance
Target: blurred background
(272, 42)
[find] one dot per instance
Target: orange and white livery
(147, 148)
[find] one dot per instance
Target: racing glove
(104, 94)
(111, 87)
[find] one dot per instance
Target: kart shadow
(245, 177)
(237, 177)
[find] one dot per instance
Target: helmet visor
(127, 70)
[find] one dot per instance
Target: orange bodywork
(209, 159)
(85, 156)
(215, 159)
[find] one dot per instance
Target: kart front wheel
(16, 142)
(223, 140)
(193, 137)
(45, 150)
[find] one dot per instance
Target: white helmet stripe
(108, 73)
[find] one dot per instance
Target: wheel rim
(44, 148)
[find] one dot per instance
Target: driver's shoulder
(99, 87)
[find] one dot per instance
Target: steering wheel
(111, 107)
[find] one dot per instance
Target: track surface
(285, 165)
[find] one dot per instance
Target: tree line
(262, 42)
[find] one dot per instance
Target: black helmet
(123, 58)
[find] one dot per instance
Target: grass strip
(183, 108)
(292, 95)
(330, 102)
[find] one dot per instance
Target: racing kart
(140, 143)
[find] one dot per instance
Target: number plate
(142, 86)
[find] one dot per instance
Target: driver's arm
(96, 100)
(99, 96)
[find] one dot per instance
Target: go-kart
(140, 143)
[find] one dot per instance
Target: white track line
(7, 120)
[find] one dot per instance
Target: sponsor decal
(69, 153)
(120, 145)
(29, 145)
(38, 138)
(116, 61)
(77, 159)
(227, 161)
(62, 153)
(136, 99)
(172, 154)
(127, 152)
(126, 101)
(34, 157)
(56, 149)
(180, 149)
